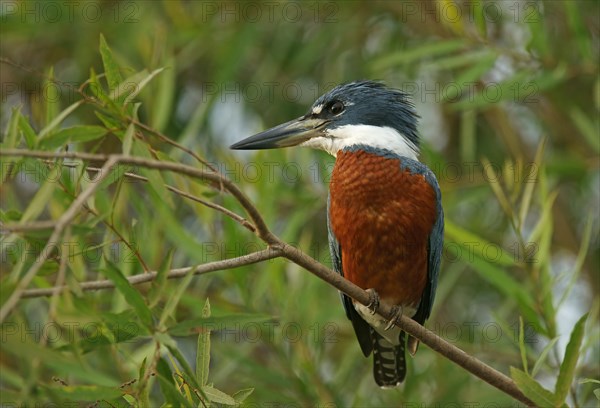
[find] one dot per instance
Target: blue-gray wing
(435, 244)
(361, 328)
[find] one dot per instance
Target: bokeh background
(509, 97)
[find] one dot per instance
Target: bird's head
(357, 113)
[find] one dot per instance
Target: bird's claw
(373, 301)
(397, 314)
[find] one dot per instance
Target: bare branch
(231, 263)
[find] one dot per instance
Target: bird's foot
(397, 314)
(373, 301)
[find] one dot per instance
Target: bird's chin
(325, 143)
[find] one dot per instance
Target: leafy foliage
(509, 94)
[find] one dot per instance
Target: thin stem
(146, 277)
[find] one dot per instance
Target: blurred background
(509, 97)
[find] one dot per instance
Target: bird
(384, 210)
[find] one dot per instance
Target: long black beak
(291, 133)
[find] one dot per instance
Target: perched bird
(385, 216)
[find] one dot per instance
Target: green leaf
(175, 297)
(567, 368)
(538, 364)
(159, 284)
(132, 86)
(130, 294)
(189, 374)
(531, 182)
(12, 134)
(241, 395)
(532, 389)
(475, 245)
(98, 91)
(128, 139)
(522, 344)
(42, 197)
(217, 396)
(111, 68)
(28, 132)
(51, 96)
(203, 349)
(58, 119)
(163, 100)
(116, 174)
(77, 134)
(167, 385)
(494, 184)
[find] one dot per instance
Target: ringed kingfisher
(384, 211)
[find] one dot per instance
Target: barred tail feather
(389, 364)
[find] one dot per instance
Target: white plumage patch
(379, 323)
(375, 136)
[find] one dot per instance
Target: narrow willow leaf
(160, 283)
(241, 395)
(128, 139)
(189, 374)
(175, 297)
(473, 244)
(203, 349)
(42, 197)
(167, 385)
(522, 345)
(567, 368)
(12, 132)
(130, 294)
(163, 100)
(543, 355)
(111, 68)
(530, 182)
(51, 97)
(58, 119)
(532, 389)
(28, 132)
(494, 182)
(218, 396)
(77, 134)
(132, 86)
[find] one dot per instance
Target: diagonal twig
(230, 263)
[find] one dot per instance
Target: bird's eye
(336, 108)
